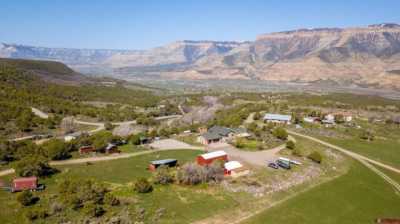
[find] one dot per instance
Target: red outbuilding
(86, 149)
(208, 158)
(25, 183)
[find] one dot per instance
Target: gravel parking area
(165, 144)
(259, 158)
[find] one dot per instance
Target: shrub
(163, 176)
(315, 156)
(110, 199)
(280, 133)
(143, 186)
(93, 210)
(367, 135)
(192, 174)
(77, 193)
(135, 139)
(290, 145)
(239, 143)
(36, 213)
(26, 198)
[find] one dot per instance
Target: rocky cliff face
(362, 56)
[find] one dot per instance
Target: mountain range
(362, 56)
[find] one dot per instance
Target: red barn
(25, 183)
(86, 149)
(208, 158)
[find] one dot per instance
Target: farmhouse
(278, 118)
(235, 169)
(86, 149)
(218, 133)
(165, 162)
(208, 158)
(24, 183)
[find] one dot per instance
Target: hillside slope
(49, 71)
(363, 56)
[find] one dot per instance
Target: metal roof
(278, 117)
(214, 154)
(231, 165)
(163, 161)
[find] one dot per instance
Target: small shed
(208, 158)
(235, 169)
(25, 183)
(86, 149)
(164, 162)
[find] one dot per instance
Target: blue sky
(129, 24)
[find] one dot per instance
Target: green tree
(290, 145)
(33, 165)
(315, 156)
(108, 126)
(257, 116)
(280, 133)
(56, 149)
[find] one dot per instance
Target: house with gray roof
(218, 133)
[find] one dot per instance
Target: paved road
(347, 152)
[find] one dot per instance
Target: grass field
(182, 204)
(386, 151)
(384, 148)
(124, 170)
(360, 196)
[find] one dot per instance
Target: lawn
(360, 196)
(181, 204)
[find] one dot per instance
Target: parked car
(273, 165)
(283, 163)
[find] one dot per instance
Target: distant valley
(361, 57)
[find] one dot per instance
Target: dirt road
(347, 152)
(99, 159)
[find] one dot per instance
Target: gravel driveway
(172, 144)
(259, 158)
